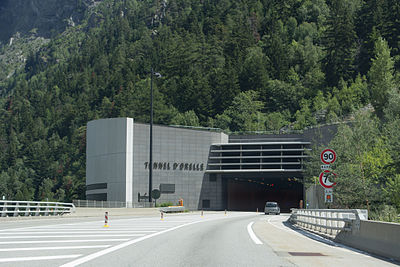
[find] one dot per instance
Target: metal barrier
(34, 208)
(328, 221)
(172, 209)
(110, 204)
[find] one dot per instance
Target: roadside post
(106, 219)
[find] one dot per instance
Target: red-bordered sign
(328, 156)
(324, 179)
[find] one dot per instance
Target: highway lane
(216, 239)
(58, 241)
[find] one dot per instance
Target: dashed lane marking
(63, 241)
(66, 236)
(107, 230)
(52, 248)
(40, 258)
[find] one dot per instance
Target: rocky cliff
(45, 18)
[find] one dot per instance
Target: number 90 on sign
(328, 156)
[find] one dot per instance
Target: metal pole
(151, 136)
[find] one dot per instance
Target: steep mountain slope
(44, 17)
(246, 65)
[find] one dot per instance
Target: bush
(165, 204)
(386, 213)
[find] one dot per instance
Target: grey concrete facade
(109, 156)
(118, 161)
(190, 164)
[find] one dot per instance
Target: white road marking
(131, 242)
(40, 258)
(90, 229)
(117, 247)
(63, 241)
(66, 236)
(86, 232)
(252, 235)
(53, 248)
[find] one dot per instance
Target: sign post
(155, 193)
(324, 179)
(328, 156)
(328, 195)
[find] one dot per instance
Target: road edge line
(253, 235)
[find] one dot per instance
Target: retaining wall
(380, 238)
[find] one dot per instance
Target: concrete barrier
(95, 212)
(172, 209)
(380, 238)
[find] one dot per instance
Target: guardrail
(12, 208)
(172, 209)
(110, 204)
(328, 221)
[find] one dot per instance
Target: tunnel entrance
(249, 193)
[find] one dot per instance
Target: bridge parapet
(13, 208)
(352, 228)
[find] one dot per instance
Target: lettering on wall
(175, 166)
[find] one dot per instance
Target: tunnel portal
(255, 170)
(250, 193)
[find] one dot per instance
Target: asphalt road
(215, 239)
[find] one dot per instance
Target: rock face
(44, 17)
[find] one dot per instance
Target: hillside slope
(247, 65)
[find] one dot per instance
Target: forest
(255, 66)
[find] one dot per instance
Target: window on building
(206, 204)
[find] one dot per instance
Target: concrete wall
(108, 158)
(315, 197)
(379, 238)
(118, 155)
(179, 157)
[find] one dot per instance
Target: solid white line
(40, 258)
(65, 236)
(63, 241)
(252, 235)
(52, 248)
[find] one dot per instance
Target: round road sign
(155, 193)
(324, 179)
(328, 156)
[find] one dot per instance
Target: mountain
(46, 18)
(249, 65)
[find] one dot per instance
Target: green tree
(340, 42)
(362, 163)
(380, 76)
(244, 114)
(189, 118)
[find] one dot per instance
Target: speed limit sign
(328, 156)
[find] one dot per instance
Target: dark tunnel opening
(250, 194)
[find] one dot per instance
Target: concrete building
(207, 169)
